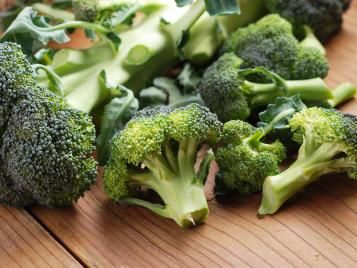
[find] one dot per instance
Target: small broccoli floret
(328, 145)
(108, 13)
(46, 146)
(244, 161)
(270, 43)
(157, 150)
(323, 16)
(227, 92)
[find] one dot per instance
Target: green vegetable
(227, 92)
(244, 160)
(46, 145)
(323, 17)
(328, 145)
(157, 150)
(34, 32)
(270, 43)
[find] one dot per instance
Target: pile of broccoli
(163, 91)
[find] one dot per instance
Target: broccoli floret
(46, 145)
(157, 151)
(109, 13)
(328, 145)
(323, 16)
(227, 92)
(244, 161)
(270, 43)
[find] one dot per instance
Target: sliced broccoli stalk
(342, 93)
(328, 145)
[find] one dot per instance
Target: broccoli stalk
(328, 145)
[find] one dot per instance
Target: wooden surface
(316, 229)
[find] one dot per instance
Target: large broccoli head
(270, 43)
(323, 16)
(328, 141)
(157, 150)
(244, 161)
(46, 146)
(47, 149)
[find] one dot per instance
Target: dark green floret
(323, 16)
(244, 160)
(46, 145)
(226, 90)
(157, 150)
(270, 43)
(328, 141)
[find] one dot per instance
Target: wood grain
(316, 229)
(24, 243)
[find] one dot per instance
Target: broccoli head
(46, 145)
(157, 150)
(244, 161)
(270, 43)
(328, 141)
(226, 90)
(324, 17)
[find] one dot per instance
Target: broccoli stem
(342, 93)
(178, 30)
(311, 40)
(309, 90)
(182, 193)
(306, 169)
(57, 14)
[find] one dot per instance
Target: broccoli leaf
(189, 78)
(152, 96)
(222, 7)
(276, 117)
(214, 7)
(116, 114)
(33, 32)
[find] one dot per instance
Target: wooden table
(318, 228)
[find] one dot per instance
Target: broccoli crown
(328, 141)
(323, 16)
(270, 43)
(86, 10)
(47, 149)
(157, 150)
(321, 126)
(221, 91)
(244, 161)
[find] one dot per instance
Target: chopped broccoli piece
(328, 145)
(46, 145)
(323, 16)
(244, 161)
(270, 43)
(157, 151)
(227, 92)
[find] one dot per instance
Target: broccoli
(226, 91)
(328, 145)
(157, 151)
(324, 17)
(46, 145)
(270, 43)
(244, 160)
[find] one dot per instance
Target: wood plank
(316, 229)
(24, 243)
